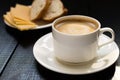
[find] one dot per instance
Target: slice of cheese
(21, 12)
(25, 27)
(19, 22)
(9, 19)
(21, 27)
(24, 23)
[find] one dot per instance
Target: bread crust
(47, 15)
(50, 10)
(40, 12)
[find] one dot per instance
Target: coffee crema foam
(75, 27)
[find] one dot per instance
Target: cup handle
(106, 29)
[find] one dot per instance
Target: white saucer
(43, 53)
(117, 73)
(40, 26)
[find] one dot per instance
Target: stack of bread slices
(47, 10)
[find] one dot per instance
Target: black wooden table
(16, 47)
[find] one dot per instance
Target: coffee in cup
(75, 27)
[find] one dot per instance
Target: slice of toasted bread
(37, 8)
(55, 9)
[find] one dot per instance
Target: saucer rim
(59, 71)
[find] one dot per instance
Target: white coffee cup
(79, 47)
